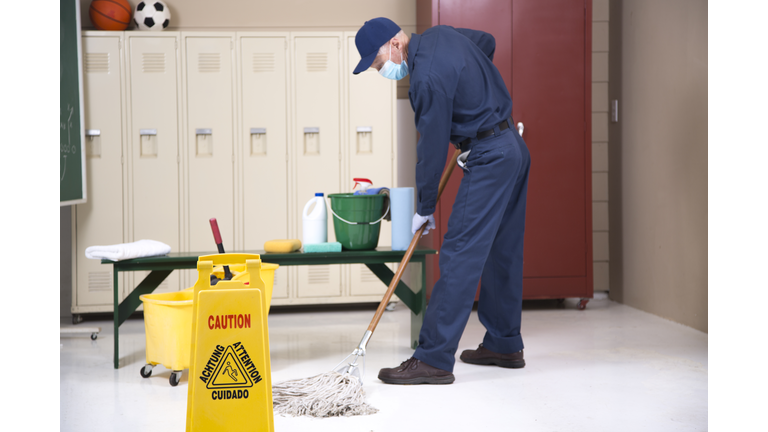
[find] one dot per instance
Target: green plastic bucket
(357, 208)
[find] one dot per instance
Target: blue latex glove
(418, 221)
(370, 191)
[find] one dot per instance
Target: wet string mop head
(330, 394)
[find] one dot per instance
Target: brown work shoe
(484, 356)
(415, 371)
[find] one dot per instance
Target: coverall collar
(413, 46)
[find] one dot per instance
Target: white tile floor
(609, 368)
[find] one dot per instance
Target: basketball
(110, 14)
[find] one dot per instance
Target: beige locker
(154, 85)
(100, 220)
(370, 147)
(263, 136)
(209, 138)
(317, 136)
(247, 131)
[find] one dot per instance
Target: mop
(339, 392)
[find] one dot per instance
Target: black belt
(506, 124)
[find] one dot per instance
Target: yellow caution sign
(230, 385)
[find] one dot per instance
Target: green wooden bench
(160, 267)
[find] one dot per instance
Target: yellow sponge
(282, 246)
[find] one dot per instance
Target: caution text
(229, 394)
(212, 362)
(229, 321)
(250, 368)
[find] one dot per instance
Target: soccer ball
(152, 15)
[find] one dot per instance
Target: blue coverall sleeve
(485, 41)
(433, 111)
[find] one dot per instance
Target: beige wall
(663, 159)
(600, 144)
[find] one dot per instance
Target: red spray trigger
(364, 183)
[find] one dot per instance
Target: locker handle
(92, 132)
(203, 131)
(520, 128)
(308, 130)
(147, 132)
(258, 131)
(365, 129)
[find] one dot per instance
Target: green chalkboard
(72, 166)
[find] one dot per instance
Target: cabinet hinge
(178, 159)
(122, 160)
(339, 156)
(286, 158)
(176, 44)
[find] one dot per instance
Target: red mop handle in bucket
(219, 245)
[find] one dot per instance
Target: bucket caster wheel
(175, 378)
(390, 306)
(583, 304)
(77, 318)
(146, 371)
(94, 336)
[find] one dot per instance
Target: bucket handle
(360, 223)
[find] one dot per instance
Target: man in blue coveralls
(458, 96)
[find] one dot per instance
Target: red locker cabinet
(543, 51)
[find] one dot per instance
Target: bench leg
(417, 318)
(416, 300)
(116, 314)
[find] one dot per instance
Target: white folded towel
(123, 251)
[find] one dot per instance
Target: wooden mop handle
(409, 252)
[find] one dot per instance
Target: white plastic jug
(315, 224)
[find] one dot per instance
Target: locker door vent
(319, 275)
(263, 62)
(100, 281)
(97, 62)
(153, 62)
(209, 62)
(317, 62)
(366, 275)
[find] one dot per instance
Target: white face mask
(394, 71)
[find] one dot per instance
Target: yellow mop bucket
(168, 323)
(230, 381)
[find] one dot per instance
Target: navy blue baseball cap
(371, 36)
